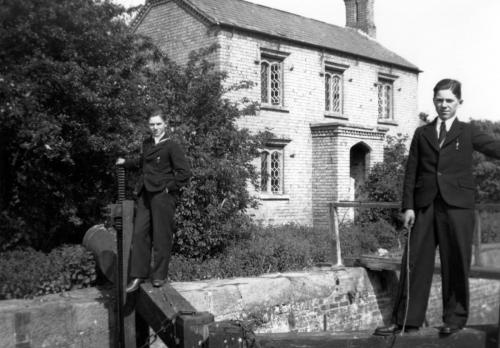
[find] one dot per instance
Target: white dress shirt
(447, 124)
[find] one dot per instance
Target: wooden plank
(162, 307)
(397, 205)
(376, 263)
(428, 337)
(366, 205)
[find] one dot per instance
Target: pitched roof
(269, 21)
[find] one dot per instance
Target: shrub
(385, 181)
(368, 237)
(490, 226)
(27, 273)
(261, 250)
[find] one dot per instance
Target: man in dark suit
(438, 202)
(165, 170)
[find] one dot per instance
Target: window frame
(385, 114)
(277, 59)
(271, 151)
(329, 95)
(272, 147)
(330, 68)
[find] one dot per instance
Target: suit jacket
(447, 170)
(164, 165)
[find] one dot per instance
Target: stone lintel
(351, 130)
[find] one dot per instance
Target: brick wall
(175, 30)
(315, 171)
(310, 180)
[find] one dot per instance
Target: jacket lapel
(455, 130)
(429, 133)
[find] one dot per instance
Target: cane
(408, 229)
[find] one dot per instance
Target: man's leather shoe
(133, 285)
(448, 329)
(394, 329)
(387, 330)
(158, 282)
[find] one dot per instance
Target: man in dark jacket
(165, 170)
(438, 202)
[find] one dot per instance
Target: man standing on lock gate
(438, 202)
(165, 170)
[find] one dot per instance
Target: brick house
(330, 94)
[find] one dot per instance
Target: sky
(457, 39)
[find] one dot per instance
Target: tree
(70, 94)
(75, 89)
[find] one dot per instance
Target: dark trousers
(153, 224)
(451, 228)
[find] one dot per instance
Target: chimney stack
(359, 15)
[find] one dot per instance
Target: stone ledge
(345, 299)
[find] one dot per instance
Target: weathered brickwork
(316, 169)
(175, 31)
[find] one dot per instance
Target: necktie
(442, 134)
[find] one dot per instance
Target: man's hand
(120, 161)
(408, 218)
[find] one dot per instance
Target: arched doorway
(359, 165)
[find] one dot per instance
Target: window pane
(275, 173)
(336, 98)
(380, 101)
(387, 101)
(276, 83)
(264, 78)
(264, 174)
(327, 92)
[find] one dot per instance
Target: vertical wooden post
(129, 314)
(477, 239)
(337, 236)
(333, 227)
(331, 232)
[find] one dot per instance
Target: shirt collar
(447, 122)
(161, 138)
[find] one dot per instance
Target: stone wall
(344, 299)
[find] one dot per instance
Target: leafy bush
(27, 273)
(385, 182)
(268, 249)
(368, 237)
